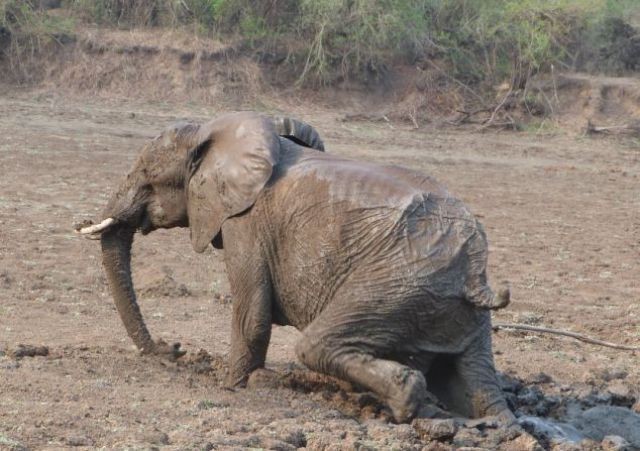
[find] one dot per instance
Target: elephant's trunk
(116, 258)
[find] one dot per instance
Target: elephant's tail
(476, 289)
(298, 132)
(486, 298)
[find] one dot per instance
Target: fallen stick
(633, 128)
(565, 333)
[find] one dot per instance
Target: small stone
(79, 440)
(564, 445)
(600, 421)
(156, 438)
(614, 373)
(297, 438)
(589, 377)
(30, 351)
(509, 384)
(525, 442)
(620, 393)
(439, 430)
(405, 433)
(530, 396)
(437, 446)
(467, 437)
(276, 445)
(615, 443)
(541, 378)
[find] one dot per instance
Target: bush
(24, 30)
(481, 40)
(495, 40)
(477, 41)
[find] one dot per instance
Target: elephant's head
(191, 175)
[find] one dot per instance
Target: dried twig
(465, 115)
(489, 122)
(565, 333)
(591, 128)
(456, 81)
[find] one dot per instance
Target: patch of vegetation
(325, 41)
(25, 29)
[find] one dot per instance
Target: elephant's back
(382, 239)
(360, 182)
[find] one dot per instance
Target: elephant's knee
(313, 353)
(304, 349)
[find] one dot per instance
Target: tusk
(97, 228)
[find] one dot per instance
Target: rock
(405, 433)
(509, 384)
(636, 406)
(614, 373)
(589, 377)
(437, 446)
(565, 446)
(29, 351)
(600, 421)
(615, 443)
(524, 442)
(467, 437)
(79, 440)
(549, 430)
(541, 378)
(296, 438)
(621, 394)
(530, 396)
(439, 430)
(276, 445)
(155, 438)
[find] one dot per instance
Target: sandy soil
(562, 214)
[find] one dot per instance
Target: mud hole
(563, 218)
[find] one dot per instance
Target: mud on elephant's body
(380, 267)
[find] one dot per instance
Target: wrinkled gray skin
(378, 266)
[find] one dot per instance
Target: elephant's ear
(232, 160)
(299, 132)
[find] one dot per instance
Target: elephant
(379, 266)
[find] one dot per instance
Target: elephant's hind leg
(339, 355)
(467, 384)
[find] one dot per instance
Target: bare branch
(564, 333)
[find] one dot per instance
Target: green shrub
(25, 30)
(494, 40)
(475, 41)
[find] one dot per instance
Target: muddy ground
(562, 214)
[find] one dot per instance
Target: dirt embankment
(175, 66)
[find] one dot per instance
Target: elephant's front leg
(251, 323)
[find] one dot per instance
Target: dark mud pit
(563, 218)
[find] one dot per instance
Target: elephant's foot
(406, 394)
(161, 348)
